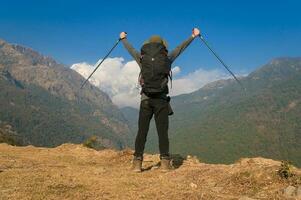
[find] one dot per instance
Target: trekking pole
(204, 41)
(101, 62)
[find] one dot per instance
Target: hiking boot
(137, 165)
(166, 165)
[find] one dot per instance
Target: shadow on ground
(176, 162)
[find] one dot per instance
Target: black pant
(148, 108)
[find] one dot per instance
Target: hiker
(155, 62)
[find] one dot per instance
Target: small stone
(298, 192)
(154, 167)
(289, 191)
(193, 185)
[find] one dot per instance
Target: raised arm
(179, 49)
(134, 53)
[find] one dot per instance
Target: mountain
(9, 136)
(74, 172)
(222, 123)
(131, 116)
(41, 100)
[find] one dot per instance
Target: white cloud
(116, 78)
(176, 70)
(195, 80)
(119, 79)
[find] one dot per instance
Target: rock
(155, 167)
(193, 185)
(289, 191)
(298, 193)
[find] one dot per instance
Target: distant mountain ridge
(43, 101)
(226, 124)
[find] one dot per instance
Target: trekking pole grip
(122, 38)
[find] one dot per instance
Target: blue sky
(246, 34)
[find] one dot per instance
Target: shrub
(94, 142)
(285, 170)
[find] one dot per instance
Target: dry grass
(75, 172)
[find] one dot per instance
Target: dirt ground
(76, 172)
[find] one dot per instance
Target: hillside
(220, 123)
(132, 115)
(75, 172)
(228, 124)
(41, 100)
